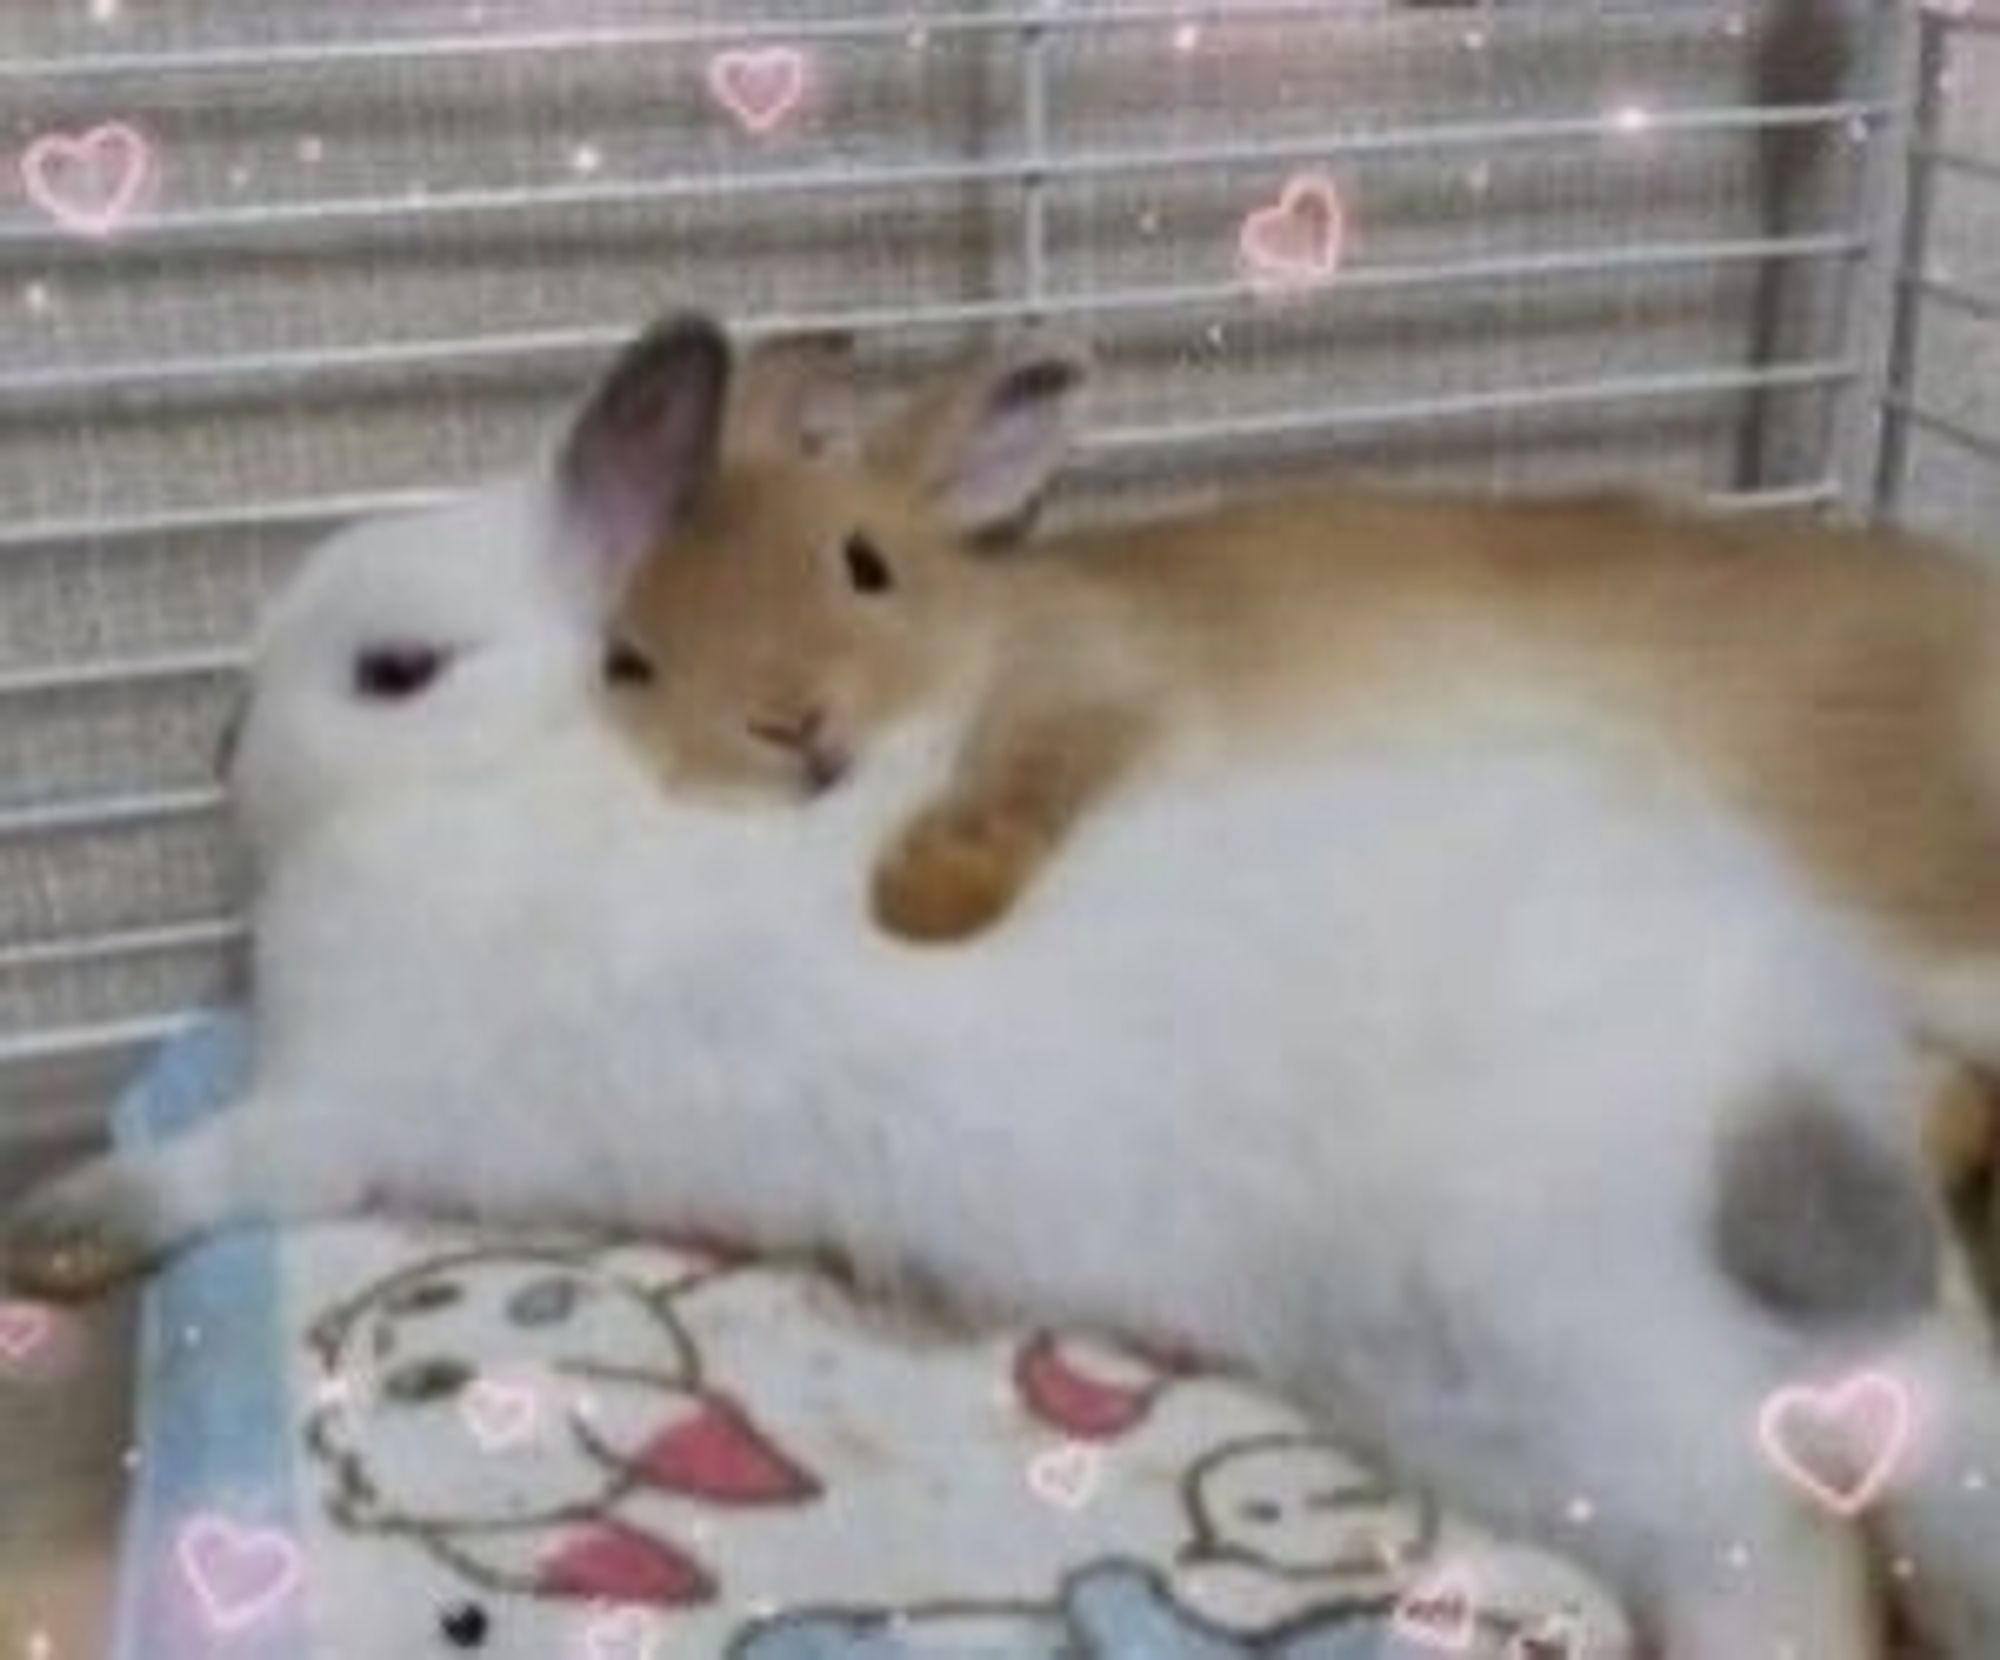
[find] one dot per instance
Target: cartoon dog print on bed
(1115, 1610)
(1297, 1551)
(498, 1407)
(1291, 1530)
(1303, 1549)
(1283, 1522)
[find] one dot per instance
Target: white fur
(1397, 1077)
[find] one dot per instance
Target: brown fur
(1840, 687)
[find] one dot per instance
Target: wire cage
(264, 269)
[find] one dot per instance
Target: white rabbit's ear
(985, 443)
(644, 444)
(793, 395)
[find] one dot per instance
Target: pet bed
(370, 1441)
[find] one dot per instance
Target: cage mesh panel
(217, 355)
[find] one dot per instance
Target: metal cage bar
(1876, 246)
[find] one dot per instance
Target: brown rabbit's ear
(793, 395)
(986, 443)
(644, 444)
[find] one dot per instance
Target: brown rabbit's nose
(821, 762)
(796, 732)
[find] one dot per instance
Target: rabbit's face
(409, 651)
(801, 609)
(784, 591)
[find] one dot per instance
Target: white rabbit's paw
(83, 1232)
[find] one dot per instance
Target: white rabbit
(1527, 1120)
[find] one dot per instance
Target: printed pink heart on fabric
(499, 1413)
(1840, 1445)
(23, 1329)
(1297, 241)
(715, 1451)
(622, 1634)
(239, 1574)
(89, 183)
(1066, 1476)
(760, 86)
(1437, 1613)
(1085, 1390)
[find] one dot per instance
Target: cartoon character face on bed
(498, 1407)
(1298, 1507)
(486, 1382)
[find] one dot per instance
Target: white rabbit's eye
(867, 570)
(626, 665)
(389, 674)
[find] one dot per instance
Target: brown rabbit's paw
(76, 1237)
(952, 875)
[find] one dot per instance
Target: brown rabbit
(1842, 687)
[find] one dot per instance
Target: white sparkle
(1187, 37)
(311, 148)
(1738, 1556)
(129, 1458)
(1736, 26)
(917, 40)
(1475, 40)
(38, 298)
(104, 11)
(1902, 1568)
(1974, 1481)
(1580, 1510)
(586, 159)
(1631, 118)
(191, 1336)
(40, 1646)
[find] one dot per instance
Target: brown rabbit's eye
(866, 568)
(388, 674)
(626, 665)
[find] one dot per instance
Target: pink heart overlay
(1066, 1476)
(23, 1329)
(1868, 1419)
(238, 1574)
(1437, 1613)
(89, 183)
(1297, 241)
(622, 1634)
(759, 86)
(499, 1413)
